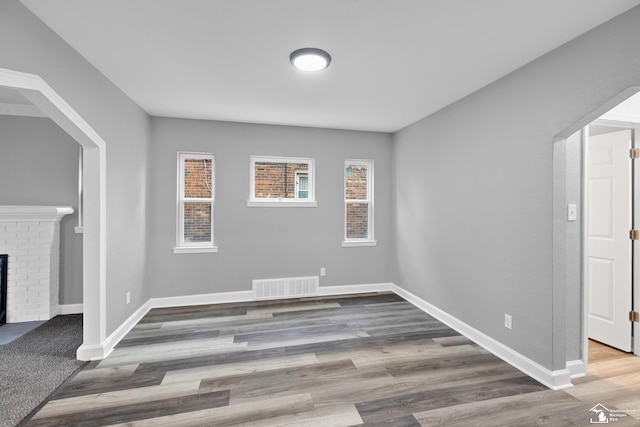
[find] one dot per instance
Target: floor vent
(285, 288)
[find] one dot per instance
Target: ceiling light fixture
(310, 59)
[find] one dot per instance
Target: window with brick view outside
(357, 200)
(198, 200)
(281, 180)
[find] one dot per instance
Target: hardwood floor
(364, 360)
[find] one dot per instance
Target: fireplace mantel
(33, 213)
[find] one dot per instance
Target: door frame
(635, 264)
(569, 331)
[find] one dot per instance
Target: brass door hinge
(634, 153)
(634, 316)
(634, 234)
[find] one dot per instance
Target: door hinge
(634, 234)
(634, 316)
(634, 153)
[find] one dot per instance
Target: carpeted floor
(34, 365)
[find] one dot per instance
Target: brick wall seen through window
(196, 173)
(197, 185)
(357, 213)
(358, 200)
(277, 180)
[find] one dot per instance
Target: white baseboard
(355, 289)
(92, 352)
(70, 309)
(202, 299)
(577, 368)
(555, 380)
(101, 351)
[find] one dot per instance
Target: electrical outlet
(128, 297)
(507, 321)
(323, 271)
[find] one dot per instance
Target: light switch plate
(508, 321)
(572, 212)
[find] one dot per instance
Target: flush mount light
(310, 59)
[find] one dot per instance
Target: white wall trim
(94, 260)
(359, 243)
(92, 352)
(33, 213)
(195, 249)
(354, 289)
(188, 300)
(99, 352)
(70, 309)
(577, 368)
(555, 380)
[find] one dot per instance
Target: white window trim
(370, 240)
(193, 247)
(254, 202)
(352, 243)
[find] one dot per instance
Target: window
(302, 184)
(282, 181)
(358, 203)
(195, 203)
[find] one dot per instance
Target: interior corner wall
(28, 45)
(474, 188)
(265, 242)
(39, 166)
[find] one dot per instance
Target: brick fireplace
(30, 236)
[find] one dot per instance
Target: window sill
(356, 244)
(195, 250)
(279, 204)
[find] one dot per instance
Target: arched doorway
(94, 185)
(571, 290)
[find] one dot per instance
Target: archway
(570, 293)
(94, 184)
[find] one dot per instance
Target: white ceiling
(394, 61)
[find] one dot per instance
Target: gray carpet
(34, 365)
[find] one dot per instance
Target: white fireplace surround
(30, 235)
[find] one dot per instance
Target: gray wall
(39, 166)
(474, 204)
(27, 45)
(472, 209)
(272, 242)
(574, 247)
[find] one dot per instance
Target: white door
(609, 250)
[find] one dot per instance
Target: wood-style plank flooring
(363, 360)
